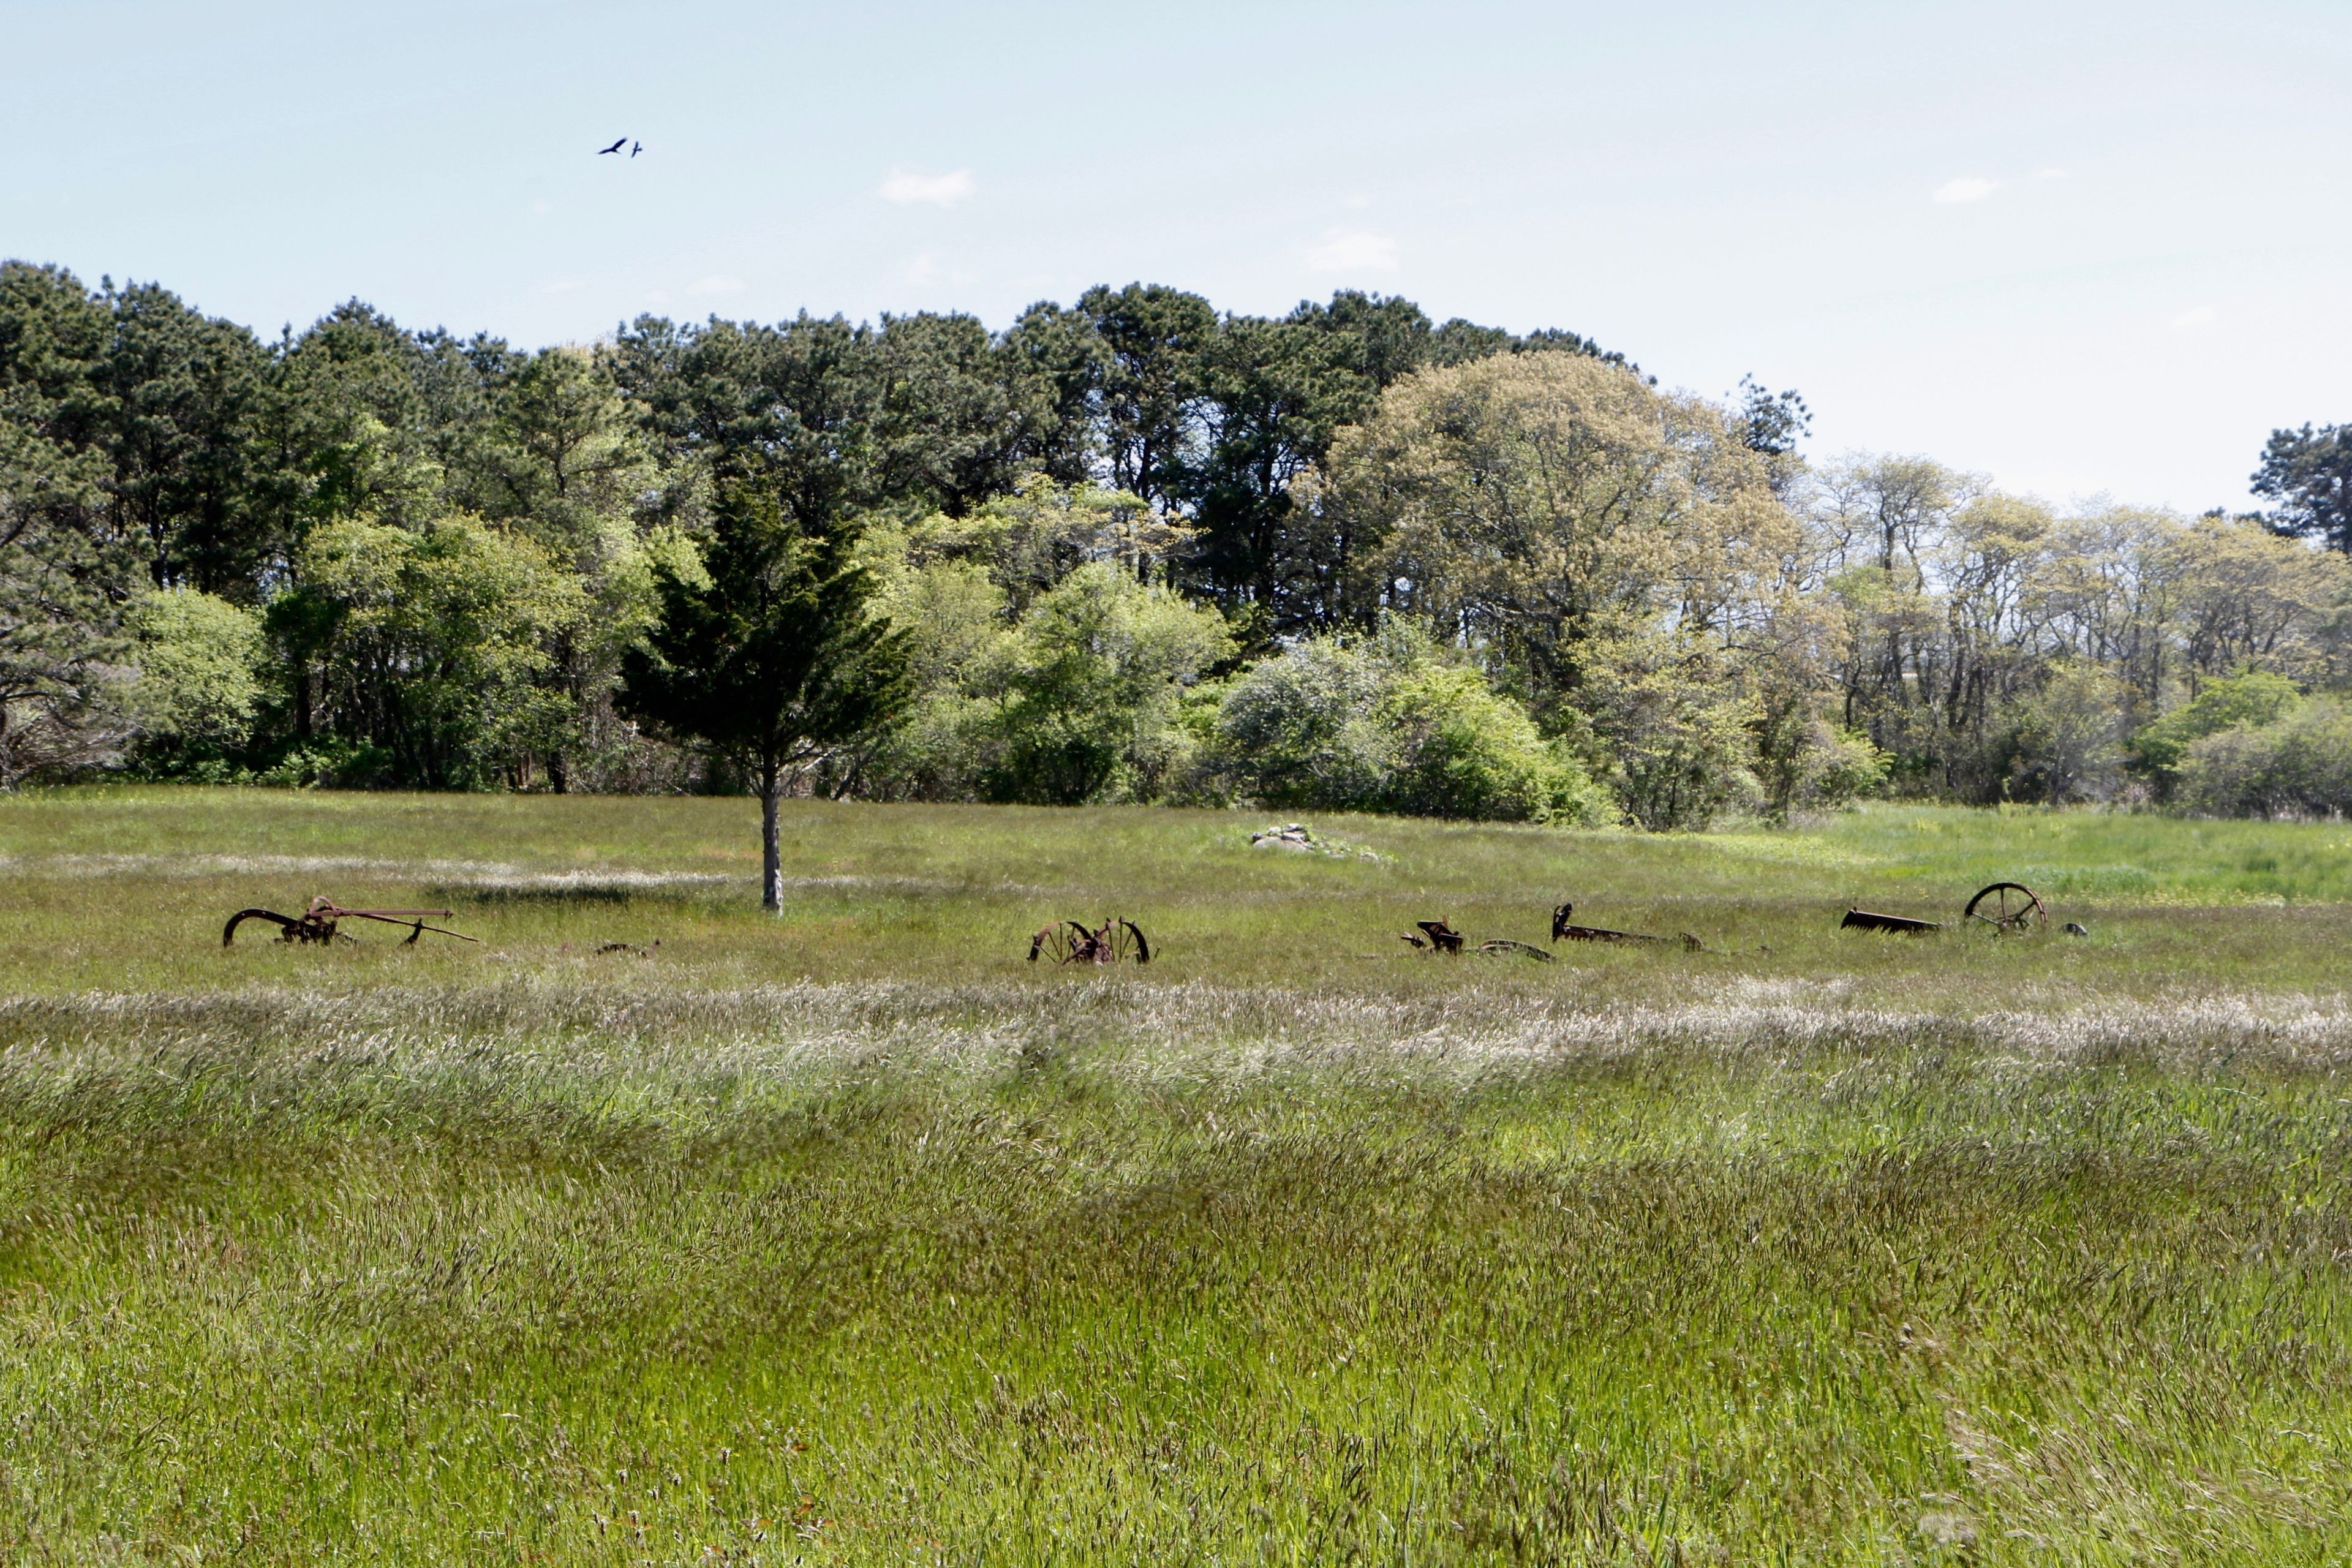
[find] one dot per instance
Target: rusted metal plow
(1564, 930)
(1069, 942)
(2004, 906)
(318, 923)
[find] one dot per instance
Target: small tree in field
(772, 660)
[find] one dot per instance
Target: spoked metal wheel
(1069, 942)
(1122, 941)
(2007, 907)
(1063, 942)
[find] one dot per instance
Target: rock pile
(1299, 838)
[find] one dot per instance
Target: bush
(2299, 766)
(2068, 737)
(199, 686)
(1090, 706)
(1386, 724)
(2253, 699)
(1079, 697)
(427, 647)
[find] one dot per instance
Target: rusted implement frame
(2007, 907)
(1441, 936)
(1562, 930)
(1864, 920)
(1070, 941)
(318, 922)
(1504, 944)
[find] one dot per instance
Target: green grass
(850, 1237)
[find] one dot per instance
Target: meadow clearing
(850, 1236)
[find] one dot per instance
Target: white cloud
(905, 187)
(1966, 188)
(1353, 253)
(716, 283)
(2048, 174)
(542, 206)
(2197, 316)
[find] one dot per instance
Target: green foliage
(1299, 729)
(1712, 626)
(1031, 539)
(2253, 699)
(770, 654)
(2298, 765)
(429, 646)
(1046, 665)
(2069, 737)
(1387, 723)
(65, 574)
(1677, 729)
(1086, 702)
(2308, 472)
(201, 673)
(1463, 750)
(1603, 549)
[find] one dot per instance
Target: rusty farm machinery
(321, 921)
(1437, 936)
(1073, 942)
(2009, 908)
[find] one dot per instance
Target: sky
(2083, 248)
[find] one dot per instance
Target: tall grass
(851, 1238)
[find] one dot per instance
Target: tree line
(1131, 548)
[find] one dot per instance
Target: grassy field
(850, 1236)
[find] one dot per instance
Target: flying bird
(635, 148)
(614, 147)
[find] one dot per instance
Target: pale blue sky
(2082, 248)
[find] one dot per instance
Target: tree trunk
(771, 859)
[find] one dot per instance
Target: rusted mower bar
(1564, 930)
(1864, 920)
(318, 922)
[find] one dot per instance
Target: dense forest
(1131, 548)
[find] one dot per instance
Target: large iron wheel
(1124, 942)
(1061, 942)
(2007, 907)
(1069, 942)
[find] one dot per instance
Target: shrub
(2069, 736)
(199, 681)
(1078, 696)
(1387, 723)
(1464, 750)
(2254, 698)
(1090, 706)
(2299, 766)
